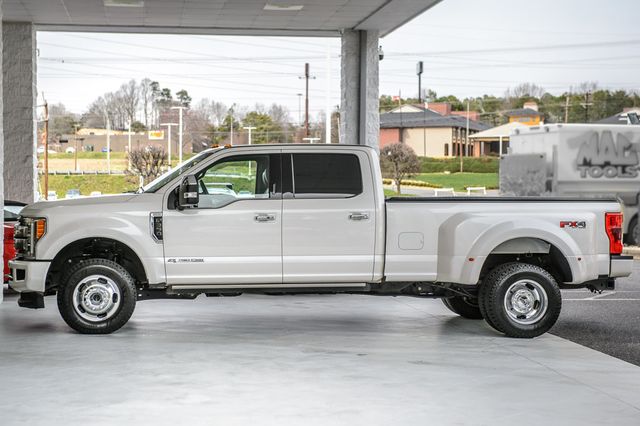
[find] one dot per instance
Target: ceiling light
(124, 3)
(283, 7)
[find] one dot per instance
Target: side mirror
(188, 196)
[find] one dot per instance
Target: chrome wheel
(96, 298)
(525, 302)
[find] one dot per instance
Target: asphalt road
(607, 322)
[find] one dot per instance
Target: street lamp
(169, 125)
(249, 129)
(180, 108)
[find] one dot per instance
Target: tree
(184, 98)
(265, 129)
(398, 161)
(129, 97)
(146, 96)
(147, 162)
(138, 127)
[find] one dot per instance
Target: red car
(11, 213)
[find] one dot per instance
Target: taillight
(613, 226)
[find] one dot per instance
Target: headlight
(27, 232)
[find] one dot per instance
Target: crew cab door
(234, 234)
(328, 219)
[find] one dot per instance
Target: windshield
(164, 179)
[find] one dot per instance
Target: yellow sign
(156, 135)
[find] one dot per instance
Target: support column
(19, 97)
(359, 86)
(1, 138)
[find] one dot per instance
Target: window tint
(326, 175)
(235, 178)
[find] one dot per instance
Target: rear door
(328, 217)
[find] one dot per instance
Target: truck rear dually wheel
(466, 307)
(97, 296)
(520, 300)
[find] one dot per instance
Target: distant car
(70, 150)
(72, 193)
(11, 213)
(95, 194)
(52, 195)
(105, 150)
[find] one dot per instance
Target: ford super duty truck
(287, 219)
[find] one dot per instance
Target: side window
(326, 175)
(234, 178)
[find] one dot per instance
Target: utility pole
(299, 109)
(466, 136)
(180, 130)
(75, 137)
(46, 149)
(419, 70)
(249, 129)
(586, 104)
(566, 109)
(327, 118)
(129, 145)
(307, 77)
(108, 145)
(169, 125)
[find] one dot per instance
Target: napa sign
(600, 156)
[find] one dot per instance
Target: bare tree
(398, 161)
(147, 162)
(279, 114)
(129, 98)
(146, 96)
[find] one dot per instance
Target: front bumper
(621, 266)
(28, 275)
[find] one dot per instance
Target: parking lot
(342, 359)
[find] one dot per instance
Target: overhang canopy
(239, 17)
(495, 133)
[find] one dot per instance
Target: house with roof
(528, 115)
(429, 133)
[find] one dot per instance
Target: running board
(204, 287)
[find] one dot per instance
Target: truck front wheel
(97, 296)
(520, 300)
(466, 307)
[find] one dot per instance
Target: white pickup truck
(286, 219)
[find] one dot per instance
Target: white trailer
(586, 160)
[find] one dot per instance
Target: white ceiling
(317, 17)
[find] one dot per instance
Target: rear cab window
(332, 175)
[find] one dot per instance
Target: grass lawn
(115, 184)
(460, 181)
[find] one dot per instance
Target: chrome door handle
(358, 216)
(264, 217)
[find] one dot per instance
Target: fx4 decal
(573, 224)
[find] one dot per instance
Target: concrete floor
(313, 360)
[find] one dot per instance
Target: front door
(329, 218)
(234, 234)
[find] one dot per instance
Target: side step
(31, 300)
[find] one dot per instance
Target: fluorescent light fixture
(283, 7)
(124, 3)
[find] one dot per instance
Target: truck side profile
(288, 219)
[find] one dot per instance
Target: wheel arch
(95, 247)
(535, 251)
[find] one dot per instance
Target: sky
(469, 48)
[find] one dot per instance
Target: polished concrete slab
(313, 360)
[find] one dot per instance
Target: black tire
(539, 293)
(113, 281)
(466, 307)
(633, 233)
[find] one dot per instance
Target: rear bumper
(28, 276)
(621, 266)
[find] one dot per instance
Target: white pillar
(1, 134)
(19, 91)
(500, 145)
(359, 109)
